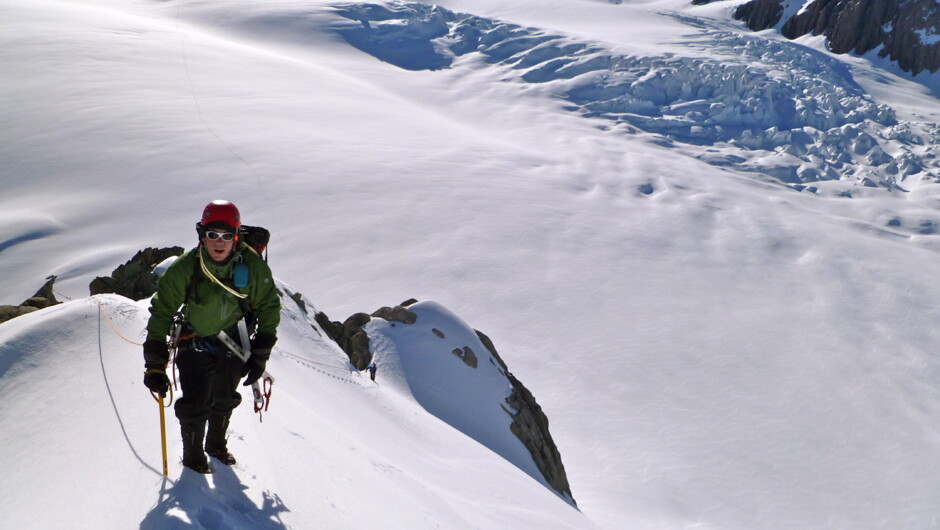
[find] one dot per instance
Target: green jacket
(210, 308)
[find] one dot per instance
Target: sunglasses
(224, 236)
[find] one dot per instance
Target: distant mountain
(904, 31)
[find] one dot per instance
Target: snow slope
(334, 450)
(713, 348)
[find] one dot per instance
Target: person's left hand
(254, 369)
(261, 347)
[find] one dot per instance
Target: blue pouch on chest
(240, 275)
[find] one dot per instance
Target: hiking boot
(216, 442)
(193, 456)
(223, 456)
(202, 469)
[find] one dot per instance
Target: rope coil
(111, 323)
(205, 270)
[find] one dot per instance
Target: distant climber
(218, 284)
(372, 368)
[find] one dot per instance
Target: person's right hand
(156, 380)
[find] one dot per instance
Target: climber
(218, 284)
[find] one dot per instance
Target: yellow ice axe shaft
(163, 434)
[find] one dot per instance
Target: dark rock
(9, 312)
(467, 356)
(859, 26)
(356, 321)
(46, 292)
(760, 14)
(530, 425)
(396, 314)
(135, 279)
(299, 300)
(39, 302)
(355, 342)
(904, 45)
(359, 354)
(438, 332)
(332, 329)
(854, 26)
(350, 337)
(488, 344)
(44, 297)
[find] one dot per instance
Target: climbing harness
(175, 337)
(262, 398)
(261, 389)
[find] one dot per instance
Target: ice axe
(163, 432)
(159, 399)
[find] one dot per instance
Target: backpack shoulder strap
(195, 278)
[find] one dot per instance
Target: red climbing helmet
(221, 214)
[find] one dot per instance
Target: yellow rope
(205, 270)
(111, 324)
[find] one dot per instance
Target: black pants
(209, 376)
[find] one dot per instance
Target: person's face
(219, 249)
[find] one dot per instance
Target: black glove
(156, 353)
(261, 347)
(254, 369)
(156, 380)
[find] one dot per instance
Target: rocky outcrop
(907, 31)
(761, 14)
(530, 425)
(398, 313)
(44, 297)
(353, 340)
(135, 279)
(466, 355)
(350, 337)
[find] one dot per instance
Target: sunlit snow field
(710, 254)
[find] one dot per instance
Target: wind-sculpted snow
(771, 107)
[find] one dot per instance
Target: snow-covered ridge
(360, 447)
(440, 361)
(452, 370)
(772, 107)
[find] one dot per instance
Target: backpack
(255, 237)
